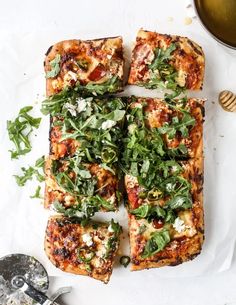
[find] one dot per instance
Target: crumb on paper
(221, 135)
(188, 20)
(188, 3)
(170, 19)
(214, 148)
(213, 102)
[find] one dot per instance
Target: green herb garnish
(37, 194)
(85, 255)
(55, 67)
(36, 171)
(156, 243)
(19, 131)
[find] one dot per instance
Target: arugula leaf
(55, 67)
(178, 124)
(30, 172)
(111, 85)
(37, 194)
(150, 212)
(113, 241)
(156, 243)
(180, 202)
(19, 131)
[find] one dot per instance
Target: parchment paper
(23, 220)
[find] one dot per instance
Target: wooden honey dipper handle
(227, 100)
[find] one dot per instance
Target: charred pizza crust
(181, 248)
(106, 186)
(188, 59)
(84, 250)
(158, 113)
(87, 62)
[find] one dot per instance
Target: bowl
(218, 17)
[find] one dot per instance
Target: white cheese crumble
(71, 108)
(169, 187)
(108, 124)
(73, 75)
(131, 128)
(82, 104)
(179, 225)
(87, 239)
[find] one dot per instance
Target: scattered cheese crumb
(87, 239)
(170, 19)
(81, 105)
(108, 124)
(179, 225)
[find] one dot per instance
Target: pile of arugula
(157, 168)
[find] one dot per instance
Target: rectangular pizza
(86, 250)
(166, 61)
(95, 66)
(79, 189)
(171, 129)
(166, 224)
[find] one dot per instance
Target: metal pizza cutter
(24, 281)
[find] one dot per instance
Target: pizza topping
(179, 225)
(98, 73)
(87, 239)
(55, 67)
(108, 124)
(125, 260)
(156, 243)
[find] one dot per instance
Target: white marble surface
(27, 28)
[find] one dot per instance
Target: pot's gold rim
(208, 30)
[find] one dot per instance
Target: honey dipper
(227, 100)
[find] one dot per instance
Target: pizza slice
(90, 126)
(169, 130)
(78, 189)
(167, 229)
(166, 61)
(86, 250)
(170, 245)
(94, 66)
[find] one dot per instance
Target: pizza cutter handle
(33, 293)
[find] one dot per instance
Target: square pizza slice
(173, 244)
(78, 189)
(85, 250)
(166, 61)
(93, 65)
(166, 223)
(169, 130)
(90, 126)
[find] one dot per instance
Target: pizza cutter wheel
(24, 281)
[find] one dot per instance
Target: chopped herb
(19, 131)
(30, 172)
(156, 243)
(37, 194)
(113, 241)
(55, 67)
(85, 255)
(83, 64)
(178, 125)
(125, 260)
